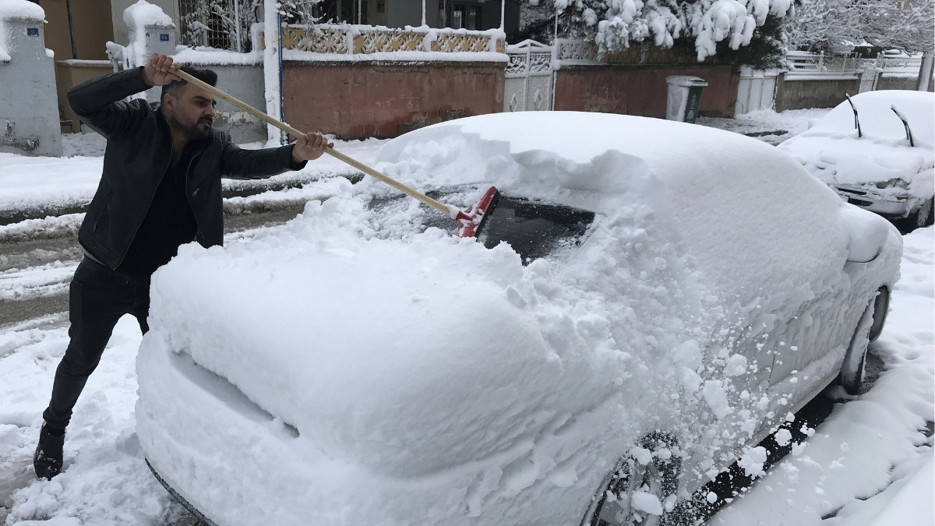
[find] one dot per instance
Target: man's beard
(201, 129)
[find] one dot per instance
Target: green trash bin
(684, 97)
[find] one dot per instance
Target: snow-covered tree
(823, 25)
(837, 26)
(908, 25)
(616, 24)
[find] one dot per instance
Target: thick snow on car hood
(834, 153)
(431, 359)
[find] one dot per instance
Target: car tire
(924, 216)
(855, 360)
(612, 504)
(881, 306)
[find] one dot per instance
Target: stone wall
(817, 92)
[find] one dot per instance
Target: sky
(868, 463)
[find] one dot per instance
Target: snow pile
(15, 10)
(693, 186)
(870, 463)
(205, 56)
(866, 233)
(483, 386)
(832, 150)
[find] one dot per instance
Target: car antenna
(905, 124)
(856, 119)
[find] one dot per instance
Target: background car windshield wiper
(856, 118)
(905, 124)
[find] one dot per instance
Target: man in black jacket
(160, 188)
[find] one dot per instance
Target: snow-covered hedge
(615, 24)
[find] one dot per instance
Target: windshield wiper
(905, 124)
(856, 119)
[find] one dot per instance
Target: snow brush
(470, 221)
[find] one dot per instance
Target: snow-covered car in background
(648, 300)
(877, 151)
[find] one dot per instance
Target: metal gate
(528, 84)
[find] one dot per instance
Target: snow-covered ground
(869, 463)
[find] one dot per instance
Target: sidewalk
(39, 187)
(34, 188)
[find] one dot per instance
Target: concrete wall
(900, 82)
(29, 118)
(818, 92)
(244, 82)
(359, 100)
(641, 90)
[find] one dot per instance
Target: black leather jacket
(139, 149)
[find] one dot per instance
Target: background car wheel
(641, 488)
(852, 370)
(924, 216)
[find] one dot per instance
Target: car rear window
(533, 229)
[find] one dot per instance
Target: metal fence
(221, 24)
(804, 63)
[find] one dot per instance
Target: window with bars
(221, 24)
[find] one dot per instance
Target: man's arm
(99, 102)
(255, 164)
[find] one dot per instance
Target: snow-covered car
(647, 301)
(876, 149)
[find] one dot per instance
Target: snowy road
(35, 271)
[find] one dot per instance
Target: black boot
(48, 458)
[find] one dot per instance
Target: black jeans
(98, 298)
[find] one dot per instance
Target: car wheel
(855, 360)
(641, 489)
(881, 306)
(924, 216)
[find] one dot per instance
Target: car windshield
(533, 229)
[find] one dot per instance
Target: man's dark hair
(205, 75)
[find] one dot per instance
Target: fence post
(29, 123)
(868, 76)
(925, 71)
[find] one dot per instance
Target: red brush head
(471, 221)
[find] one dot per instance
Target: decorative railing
(365, 40)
